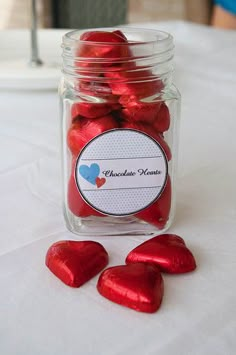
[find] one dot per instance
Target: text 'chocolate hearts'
(167, 251)
(76, 262)
(138, 286)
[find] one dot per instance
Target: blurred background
(22, 50)
(95, 13)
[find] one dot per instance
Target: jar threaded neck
(145, 50)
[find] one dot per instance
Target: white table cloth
(40, 315)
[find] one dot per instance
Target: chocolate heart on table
(167, 251)
(158, 212)
(76, 262)
(138, 286)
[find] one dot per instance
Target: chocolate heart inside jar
(120, 124)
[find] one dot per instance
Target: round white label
(121, 172)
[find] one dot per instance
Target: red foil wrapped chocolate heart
(90, 109)
(97, 51)
(162, 120)
(76, 262)
(76, 140)
(148, 129)
(99, 44)
(138, 82)
(158, 212)
(83, 130)
(167, 251)
(76, 203)
(135, 110)
(138, 286)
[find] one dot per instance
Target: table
(39, 315)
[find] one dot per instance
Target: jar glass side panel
(85, 117)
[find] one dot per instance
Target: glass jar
(120, 117)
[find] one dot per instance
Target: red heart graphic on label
(76, 262)
(100, 181)
(138, 286)
(167, 251)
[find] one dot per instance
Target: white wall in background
(155, 10)
(16, 13)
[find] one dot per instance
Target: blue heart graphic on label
(90, 173)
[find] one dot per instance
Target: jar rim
(152, 49)
(156, 36)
